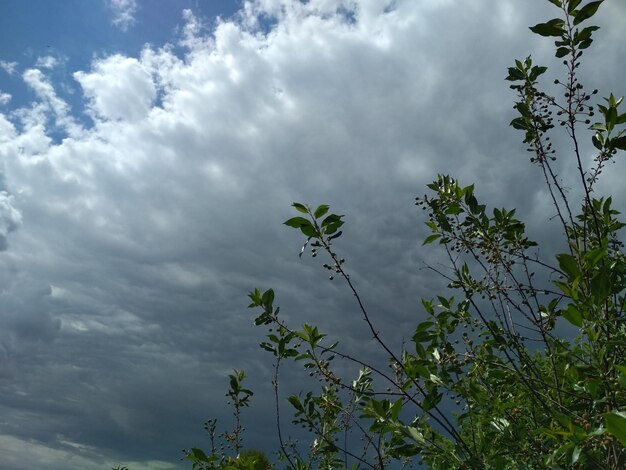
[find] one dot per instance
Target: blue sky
(74, 32)
(149, 154)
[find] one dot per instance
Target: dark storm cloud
(124, 290)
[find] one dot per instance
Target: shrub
(522, 364)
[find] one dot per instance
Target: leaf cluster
(523, 363)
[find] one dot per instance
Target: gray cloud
(10, 218)
(123, 303)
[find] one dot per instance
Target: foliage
(218, 458)
(246, 460)
(524, 366)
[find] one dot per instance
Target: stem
(278, 427)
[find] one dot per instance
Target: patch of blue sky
(65, 36)
(349, 15)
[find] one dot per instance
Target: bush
(524, 367)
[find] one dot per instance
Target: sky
(149, 153)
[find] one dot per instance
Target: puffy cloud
(42, 86)
(118, 88)
(4, 98)
(123, 292)
(10, 218)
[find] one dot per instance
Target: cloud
(47, 62)
(4, 98)
(118, 88)
(123, 303)
(8, 67)
(123, 13)
(10, 218)
(50, 103)
(73, 455)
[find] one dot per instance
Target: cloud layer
(133, 228)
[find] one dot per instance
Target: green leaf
(584, 34)
(593, 257)
(296, 403)
(331, 219)
(536, 71)
(556, 2)
(500, 424)
(587, 12)
(571, 6)
(572, 315)
(435, 379)
(515, 74)
(429, 308)
(616, 425)
(267, 298)
(569, 265)
(200, 455)
(415, 434)
(303, 224)
(551, 28)
(309, 231)
(297, 222)
(453, 209)
(497, 374)
(611, 117)
(620, 143)
(519, 123)
(598, 141)
(622, 375)
(255, 297)
(562, 52)
(423, 336)
(268, 347)
(320, 211)
(300, 207)
(523, 109)
(431, 400)
(431, 238)
(332, 228)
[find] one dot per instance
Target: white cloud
(72, 455)
(118, 88)
(4, 98)
(7, 130)
(35, 79)
(152, 224)
(42, 86)
(10, 218)
(47, 62)
(8, 67)
(123, 13)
